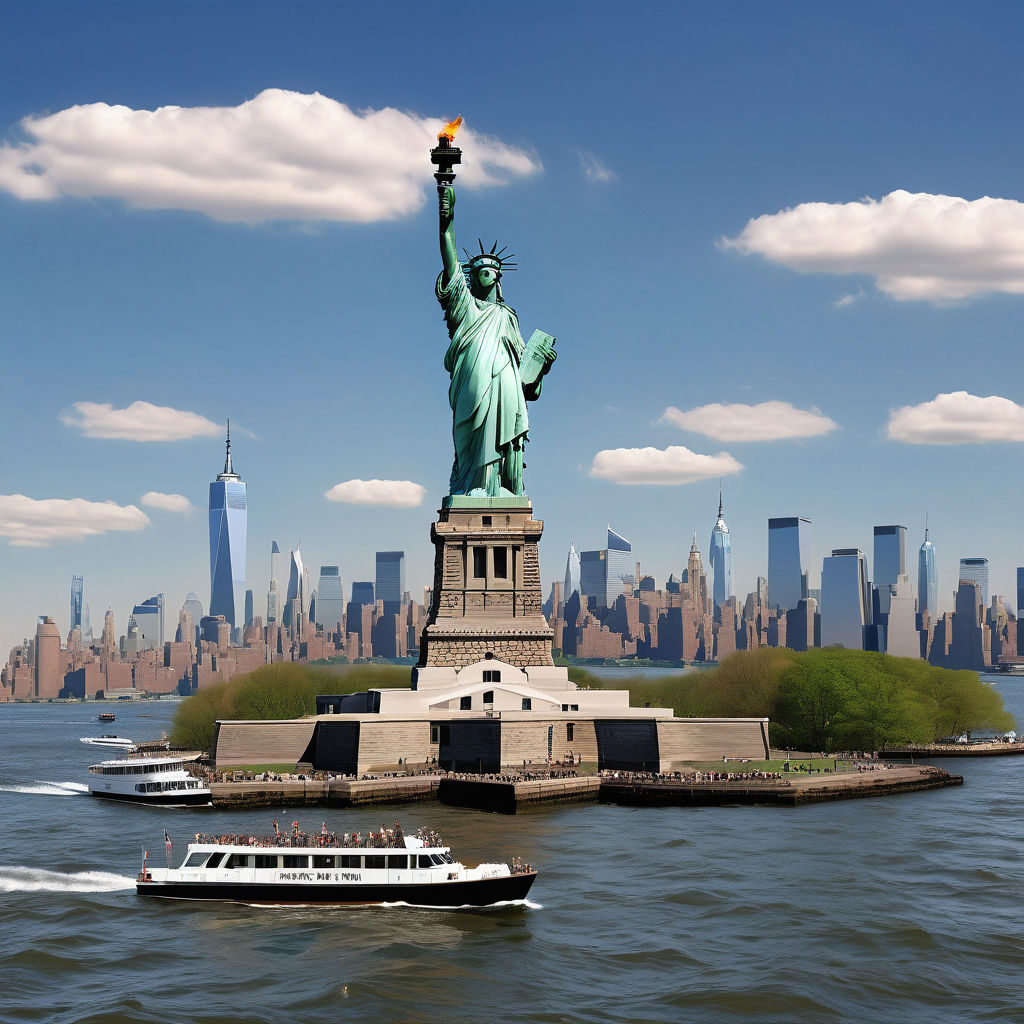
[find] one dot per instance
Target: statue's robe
(489, 417)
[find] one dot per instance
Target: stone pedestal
(487, 592)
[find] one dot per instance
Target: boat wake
(43, 788)
(21, 879)
(500, 905)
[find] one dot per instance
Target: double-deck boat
(331, 869)
(107, 716)
(159, 780)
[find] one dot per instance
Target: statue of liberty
(493, 372)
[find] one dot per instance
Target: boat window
(447, 858)
(216, 860)
(266, 860)
(318, 862)
(290, 860)
(237, 860)
(349, 860)
(140, 788)
(376, 862)
(401, 861)
(425, 861)
(436, 859)
(195, 860)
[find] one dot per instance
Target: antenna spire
(926, 526)
(227, 453)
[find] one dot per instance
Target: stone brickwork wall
(381, 744)
(499, 612)
(681, 740)
(262, 742)
(528, 741)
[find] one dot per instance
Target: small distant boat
(331, 869)
(148, 780)
(108, 741)
(108, 716)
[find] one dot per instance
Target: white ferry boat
(331, 869)
(108, 740)
(159, 780)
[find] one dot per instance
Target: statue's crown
(495, 258)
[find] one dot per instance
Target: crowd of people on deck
(386, 838)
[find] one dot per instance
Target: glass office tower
(606, 574)
(390, 576)
(975, 570)
(77, 587)
(720, 559)
(228, 522)
(844, 599)
(149, 617)
(296, 589)
(789, 540)
(890, 562)
(927, 578)
(330, 597)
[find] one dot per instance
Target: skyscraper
(696, 582)
(330, 597)
(890, 562)
(274, 592)
(720, 559)
(77, 586)
(248, 607)
(228, 516)
(296, 587)
(1020, 610)
(789, 540)
(390, 577)
(844, 599)
(195, 608)
(606, 574)
(149, 617)
(975, 570)
(927, 577)
(108, 644)
(571, 584)
(87, 637)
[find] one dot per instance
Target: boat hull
(158, 799)
(481, 892)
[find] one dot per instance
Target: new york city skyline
(844, 362)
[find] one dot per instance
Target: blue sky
(270, 258)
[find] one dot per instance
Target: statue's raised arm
(446, 225)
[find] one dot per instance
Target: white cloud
(28, 522)
(958, 418)
(917, 246)
(735, 421)
(391, 493)
(675, 465)
(140, 421)
(594, 169)
(167, 502)
(849, 299)
(279, 155)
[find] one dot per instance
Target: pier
(789, 792)
(510, 794)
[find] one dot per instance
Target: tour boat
(148, 780)
(107, 716)
(109, 740)
(330, 869)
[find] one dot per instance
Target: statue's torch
(444, 156)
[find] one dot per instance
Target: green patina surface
(494, 373)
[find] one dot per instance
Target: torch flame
(449, 130)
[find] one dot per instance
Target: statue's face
(484, 278)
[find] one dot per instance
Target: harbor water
(909, 908)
